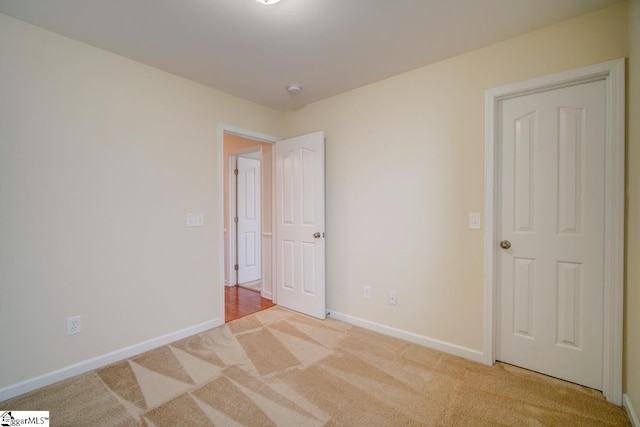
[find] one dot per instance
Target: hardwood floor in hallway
(240, 302)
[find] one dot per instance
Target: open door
(248, 228)
(300, 244)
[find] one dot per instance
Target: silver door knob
(505, 244)
(316, 234)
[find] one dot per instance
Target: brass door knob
(316, 234)
(505, 244)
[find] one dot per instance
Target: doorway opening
(246, 221)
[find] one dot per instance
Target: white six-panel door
(300, 242)
(249, 230)
(551, 211)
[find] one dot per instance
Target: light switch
(195, 219)
(474, 221)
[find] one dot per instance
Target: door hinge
(235, 172)
(235, 219)
(236, 267)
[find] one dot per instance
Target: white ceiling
(326, 46)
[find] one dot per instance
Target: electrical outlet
(74, 325)
(393, 299)
(367, 292)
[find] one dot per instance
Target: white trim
(612, 73)
(263, 137)
(422, 340)
(614, 233)
(267, 270)
(226, 276)
(489, 262)
(232, 276)
(222, 129)
(635, 422)
(52, 377)
(273, 296)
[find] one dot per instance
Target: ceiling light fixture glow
(268, 2)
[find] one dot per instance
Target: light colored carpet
(277, 367)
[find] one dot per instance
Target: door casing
(612, 73)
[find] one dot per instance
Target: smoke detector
(268, 2)
(293, 88)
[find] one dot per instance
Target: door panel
(551, 209)
(300, 266)
(523, 296)
(523, 169)
(249, 232)
(571, 141)
(570, 296)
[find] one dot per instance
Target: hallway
(240, 302)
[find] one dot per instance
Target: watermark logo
(24, 418)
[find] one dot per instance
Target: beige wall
(100, 160)
(404, 167)
(233, 144)
(632, 294)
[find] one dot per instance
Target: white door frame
(612, 73)
(222, 129)
(233, 227)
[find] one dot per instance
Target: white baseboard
(445, 347)
(267, 295)
(49, 378)
(635, 422)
